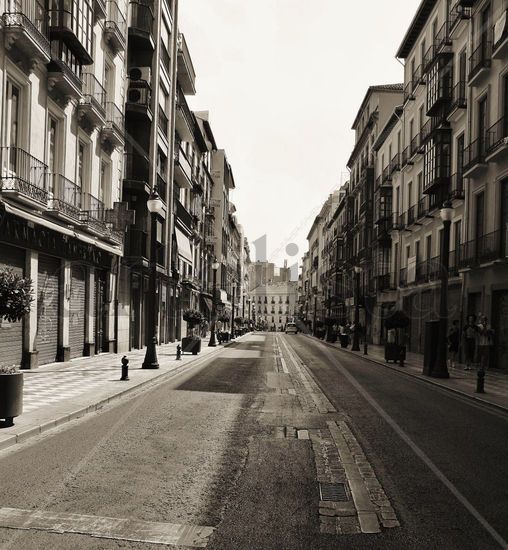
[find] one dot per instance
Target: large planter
(191, 344)
(11, 396)
(395, 352)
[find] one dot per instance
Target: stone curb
(48, 425)
(413, 375)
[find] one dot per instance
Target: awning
(60, 229)
(208, 303)
(184, 246)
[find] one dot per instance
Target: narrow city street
(231, 453)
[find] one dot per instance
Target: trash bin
(344, 340)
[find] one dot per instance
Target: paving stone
(327, 504)
(388, 515)
(328, 520)
(390, 523)
(328, 529)
(326, 512)
(349, 529)
(369, 522)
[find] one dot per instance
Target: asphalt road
(200, 450)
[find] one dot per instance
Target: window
(81, 164)
(410, 194)
(428, 247)
(109, 82)
(12, 118)
(104, 184)
(417, 250)
(457, 229)
(482, 124)
(479, 215)
(460, 158)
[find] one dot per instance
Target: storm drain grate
(335, 492)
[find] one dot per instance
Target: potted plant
(224, 318)
(192, 343)
(395, 323)
(15, 295)
(11, 394)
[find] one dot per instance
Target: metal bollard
(480, 381)
(365, 347)
(179, 352)
(125, 368)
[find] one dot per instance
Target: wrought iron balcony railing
(94, 93)
(480, 59)
(66, 198)
(116, 26)
(485, 248)
(497, 136)
(23, 175)
(475, 153)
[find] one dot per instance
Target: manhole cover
(335, 492)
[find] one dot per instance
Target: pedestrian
(485, 342)
(470, 332)
(454, 343)
(391, 336)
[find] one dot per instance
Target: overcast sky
(283, 80)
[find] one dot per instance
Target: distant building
(275, 303)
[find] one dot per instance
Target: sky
(283, 81)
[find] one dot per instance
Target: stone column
(89, 312)
(64, 350)
(30, 354)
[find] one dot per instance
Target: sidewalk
(56, 393)
(460, 381)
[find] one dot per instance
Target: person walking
(470, 332)
(485, 342)
(454, 343)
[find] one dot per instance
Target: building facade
(61, 174)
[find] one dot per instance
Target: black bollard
(179, 352)
(480, 381)
(125, 368)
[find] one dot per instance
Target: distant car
(291, 328)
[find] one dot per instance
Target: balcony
(457, 187)
(93, 215)
(137, 172)
(484, 249)
(185, 69)
(386, 175)
(497, 140)
(395, 164)
(100, 9)
(65, 200)
(403, 277)
(475, 157)
(398, 221)
(114, 128)
(139, 97)
(428, 58)
(163, 122)
(480, 62)
(411, 215)
(386, 282)
(63, 79)
(76, 32)
(422, 208)
(458, 13)
(23, 177)
(184, 122)
(500, 47)
(443, 41)
(183, 170)
(415, 146)
(136, 244)
(409, 92)
(92, 105)
(439, 92)
(459, 102)
(183, 215)
(141, 26)
(115, 28)
(407, 157)
(25, 25)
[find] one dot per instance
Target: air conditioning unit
(140, 73)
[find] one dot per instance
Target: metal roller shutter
(77, 312)
(11, 334)
(48, 308)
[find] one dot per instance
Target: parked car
(291, 328)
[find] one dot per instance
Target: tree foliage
(15, 295)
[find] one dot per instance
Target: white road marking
(419, 452)
(193, 536)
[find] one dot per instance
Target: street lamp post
(249, 302)
(156, 208)
(440, 369)
(356, 340)
(315, 313)
(215, 267)
(365, 344)
(328, 311)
